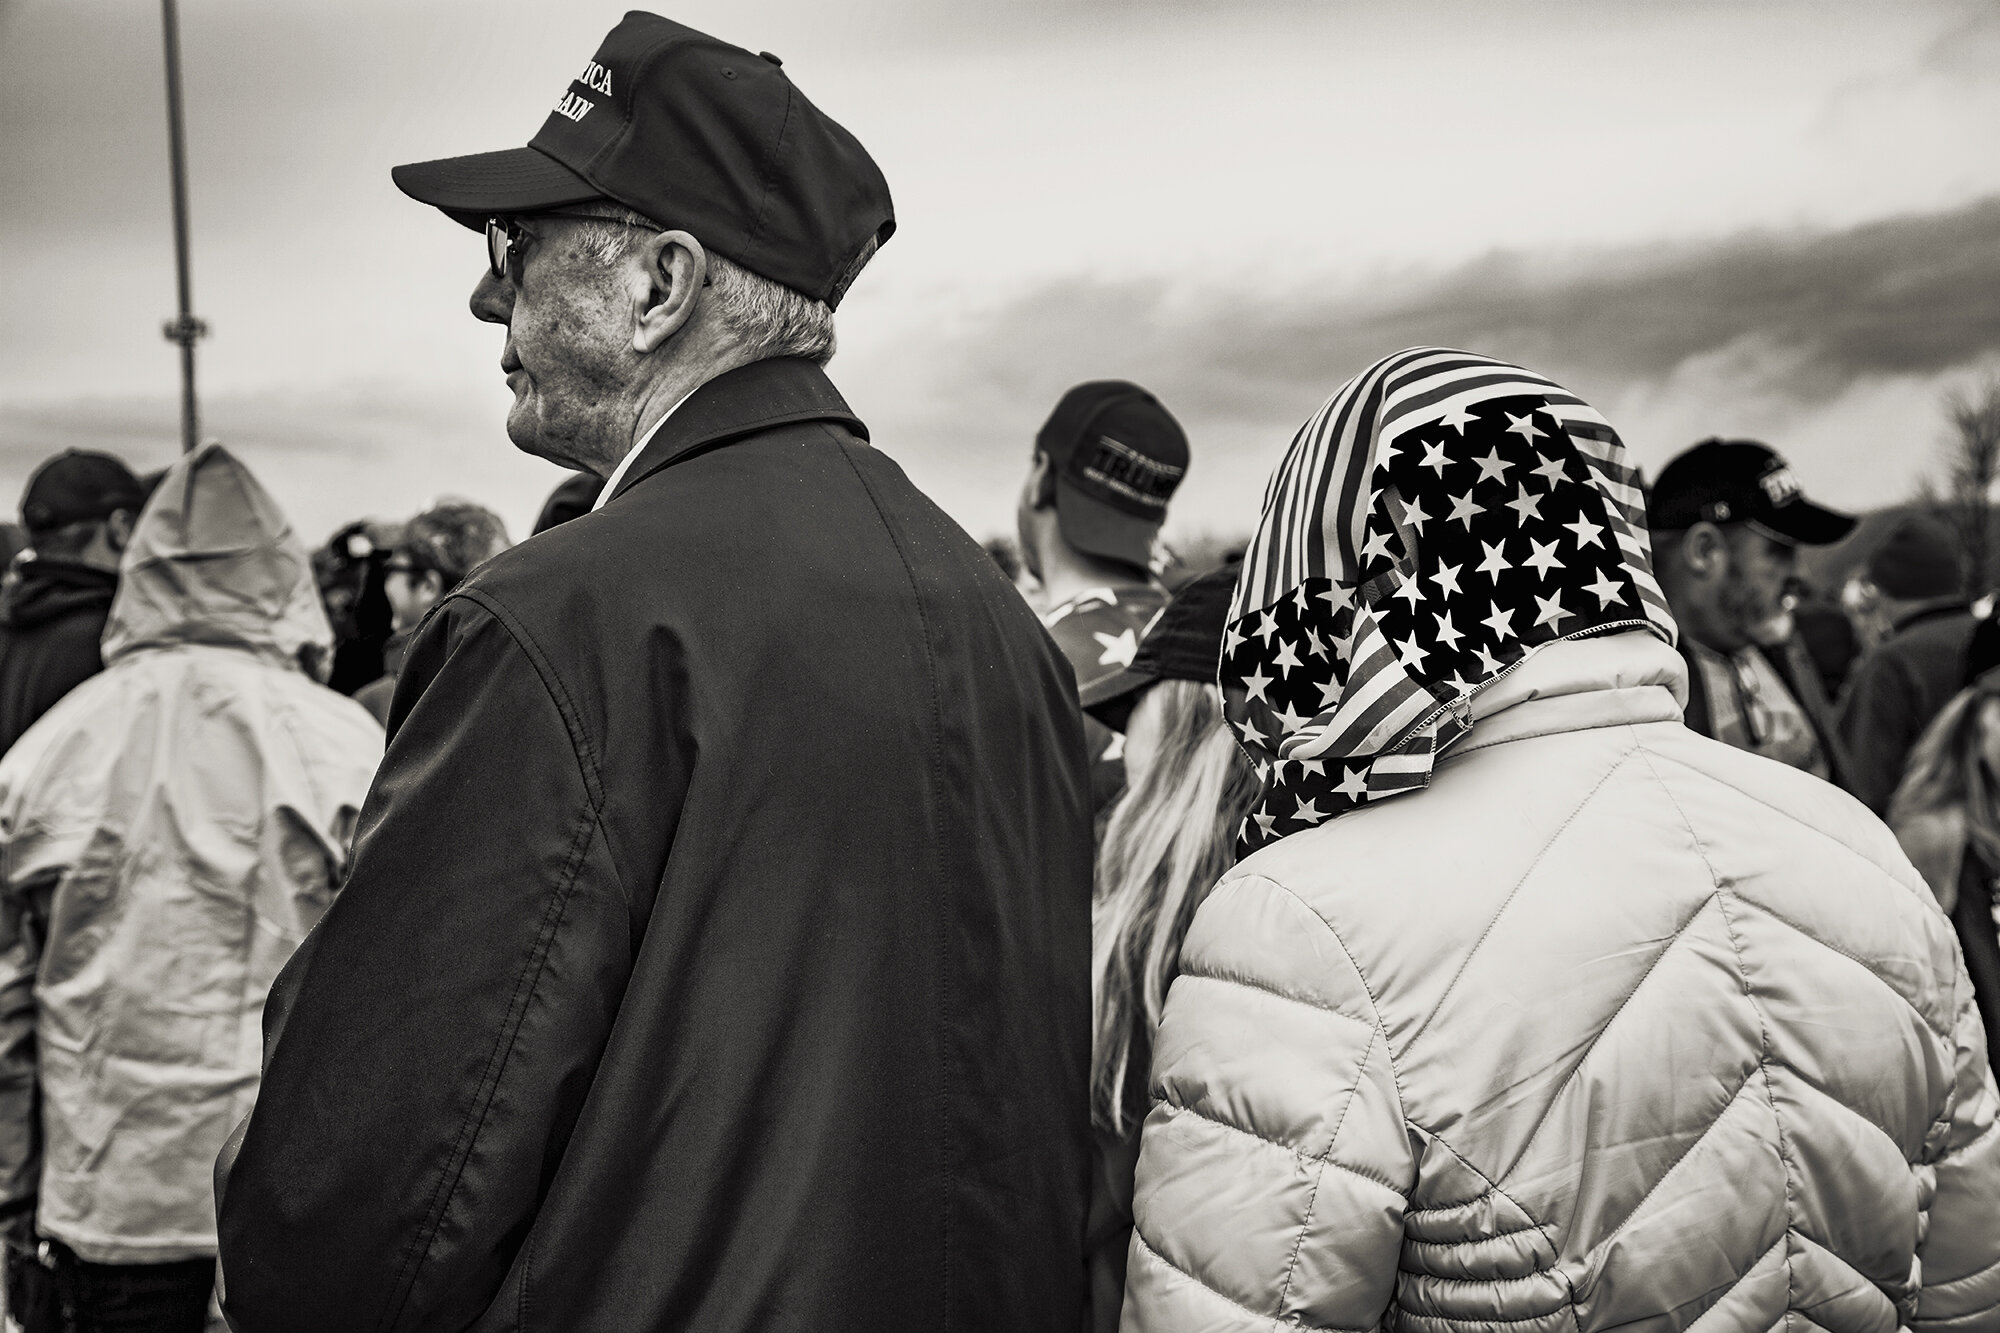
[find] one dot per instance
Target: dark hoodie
(51, 619)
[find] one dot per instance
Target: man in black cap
(1105, 464)
(1727, 518)
(1916, 579)
(716, 950)
(78, 511)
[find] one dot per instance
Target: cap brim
(1112, 699)
(1808, 524)
(476, 187)
(1095, 528)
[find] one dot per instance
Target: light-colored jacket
(168, 833)
(1612, 1025)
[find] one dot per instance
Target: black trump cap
(1118, 456)
(80, 486)
(1740, 481)
(1184, 642)
(699, 136)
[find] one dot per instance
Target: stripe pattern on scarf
(1437, 520)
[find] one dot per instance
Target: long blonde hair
(1947, 768)
(1169, 838)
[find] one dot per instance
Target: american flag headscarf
(1438, 520)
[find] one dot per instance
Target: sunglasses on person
(507, 240)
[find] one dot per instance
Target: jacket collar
(744, 401)
(1576, 685)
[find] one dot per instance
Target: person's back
(822, 973)
(168, 833)
(1528, 1005)
(1684, 1034)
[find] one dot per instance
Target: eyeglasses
(506, 238)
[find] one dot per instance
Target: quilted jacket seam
(1527, 873)
(1540, 1227)
(1630, 995)
(1794, 926)
(1787, 815)
(1305, 1222)
(1763, 1023)
(1367, 988)
(1147, 1246)
(1265, 988)
(1534, 1228)
(1540, 1273)
(1323, 1159)
(1685, 1153)
(1964, 1278)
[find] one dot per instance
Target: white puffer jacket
(1612, 1025)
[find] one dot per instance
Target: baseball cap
(1740, 481)
(78, 486)
(697, 135)
(1184, 642)
(1117, 456)
(1919, 559)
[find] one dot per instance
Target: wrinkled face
(1751, 591)
(568, 356)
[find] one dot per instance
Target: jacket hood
(213, 560)
(38, 591)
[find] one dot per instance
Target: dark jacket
(716, 951)
(1894, 693)
(51, 618)
(1795, 668)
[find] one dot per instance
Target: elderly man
(716, 950)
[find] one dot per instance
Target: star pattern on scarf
(1510, 551)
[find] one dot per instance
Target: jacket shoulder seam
(1266, 988)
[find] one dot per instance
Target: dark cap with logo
(1117, 456)
(697, 135)
(78, 486)
(1740, 481)
(1184, 642)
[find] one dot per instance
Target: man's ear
(1705, 551)
(118, 530)
(665, 279)
(1041, 482)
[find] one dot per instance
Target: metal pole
(187, 328)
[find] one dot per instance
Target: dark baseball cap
(79, 486)
(697, 135)
(1117, 456)
(1740, 481)
(1184, 642)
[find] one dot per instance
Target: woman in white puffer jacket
(1527, 1007)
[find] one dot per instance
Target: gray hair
(764, 317)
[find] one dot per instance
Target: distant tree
(1972, 465)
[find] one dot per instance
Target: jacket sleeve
(1959, 1251)
(1877, 726)
(429, 1046)
(1276, 1164)
(20, 1107)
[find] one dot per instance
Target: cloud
(1811, 338)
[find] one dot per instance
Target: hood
(1441, 519)
(213, 560)
(38, 591)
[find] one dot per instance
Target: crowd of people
(1470, 903)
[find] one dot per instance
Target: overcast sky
(1771, 220)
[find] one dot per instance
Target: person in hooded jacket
(168, 834)
(77, 511)
(1527, 1006)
